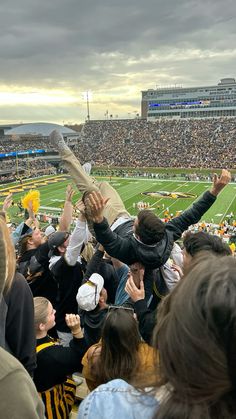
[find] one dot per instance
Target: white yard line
(226, 212)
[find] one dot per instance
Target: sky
(52, 52)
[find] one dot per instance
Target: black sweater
(55, 362)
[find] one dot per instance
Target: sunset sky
(51, 52)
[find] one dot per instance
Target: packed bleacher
(24, 144)
(24, 168)
(167, 143)
(140, 143)
(107, 316)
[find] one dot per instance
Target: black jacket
(17, 333)
(122, 244)
(146, 320)
(68, 280)
(34, 265)
(105, 268)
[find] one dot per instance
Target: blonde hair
(7, 257)
(40, 311)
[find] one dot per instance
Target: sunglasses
(128, 309)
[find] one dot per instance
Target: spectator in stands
(202, 241)
(120, 354)
(54, 362)
(33, 263)
(66, 268)
(92, 303)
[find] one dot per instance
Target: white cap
(89, 293)
(49, 230)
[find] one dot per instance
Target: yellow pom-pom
(232, 247)
(33, 196)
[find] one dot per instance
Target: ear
(41, 327)
(30, 240)
(61, 249)
(101, 299)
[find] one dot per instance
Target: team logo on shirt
(168, 194)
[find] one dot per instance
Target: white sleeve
(170, 277)
(77, 238)
(177, 255)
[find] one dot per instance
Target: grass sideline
(130, 190)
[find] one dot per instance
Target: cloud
(116, 49)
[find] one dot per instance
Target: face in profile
(50, 322)
(36, 237)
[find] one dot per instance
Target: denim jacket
(117, 399)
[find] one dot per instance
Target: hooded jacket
(123, 245)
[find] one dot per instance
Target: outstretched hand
(96, 204)
(79, 205)
(219, 182)
(69, 193)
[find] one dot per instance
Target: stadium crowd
(139, 143)
(167, 143)
(25, 168)
(68, 298)
(23, 144)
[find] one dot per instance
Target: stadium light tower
(87, 96)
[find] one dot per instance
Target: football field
(157, 195)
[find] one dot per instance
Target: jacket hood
(154, 256)
(94, 319)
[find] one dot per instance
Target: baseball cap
(57, 239)
(49, 230)
(89, 293)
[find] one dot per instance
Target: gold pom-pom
(33, 196)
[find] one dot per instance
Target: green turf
(130, 190)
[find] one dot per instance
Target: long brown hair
(7, 257)
(119, 350)
(196, 337)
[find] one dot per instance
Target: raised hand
(69, 193)
(96, 204)
(79, 205)
(73, 322)
(219, 182)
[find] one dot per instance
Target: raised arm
(78, 237)
(198, 209)
(66, 217)
(114, 245)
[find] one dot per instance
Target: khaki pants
(85, 183)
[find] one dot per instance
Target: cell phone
(113, 307)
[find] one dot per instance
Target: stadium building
(192, 102)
